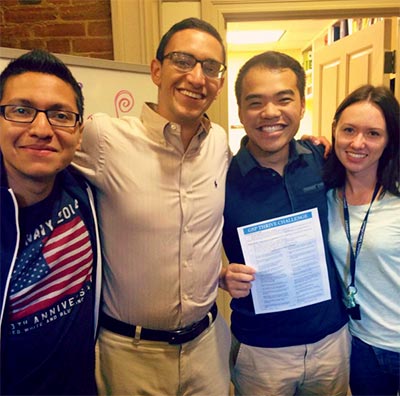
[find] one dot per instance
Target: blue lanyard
(351, 289)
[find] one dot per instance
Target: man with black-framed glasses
(160, 182)
(50, 266)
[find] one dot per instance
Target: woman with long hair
(362, 173)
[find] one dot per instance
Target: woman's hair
(388, 174)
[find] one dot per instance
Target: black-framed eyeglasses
(27, 114)
(186, 62)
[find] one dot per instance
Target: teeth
(272, 128)
(355, 155)
(191, 94)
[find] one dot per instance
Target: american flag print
(51, 269)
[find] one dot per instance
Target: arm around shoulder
(90, 155)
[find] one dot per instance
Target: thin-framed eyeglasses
(27, 114)
(186, 62)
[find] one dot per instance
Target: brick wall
(75, 27)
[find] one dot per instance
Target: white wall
(110, 87)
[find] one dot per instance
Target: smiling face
(270, 110)
(183, 97)
(37, 151)
(361, 138)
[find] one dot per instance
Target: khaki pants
(319, 369)
(199, 367)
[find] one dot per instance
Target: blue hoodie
(48, 330)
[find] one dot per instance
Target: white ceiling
(298, 35)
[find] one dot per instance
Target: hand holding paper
(236, 279)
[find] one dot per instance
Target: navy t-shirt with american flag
(50, 329)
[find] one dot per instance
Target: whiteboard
(115, 88)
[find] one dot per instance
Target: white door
(346, 64)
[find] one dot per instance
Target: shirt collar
(159, 127)
(247, 162)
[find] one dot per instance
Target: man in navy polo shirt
(304, 350)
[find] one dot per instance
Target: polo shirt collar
(247, 162)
